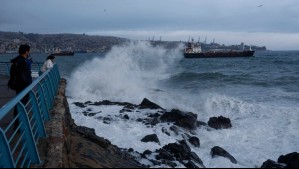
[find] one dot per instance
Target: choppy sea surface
(260, 95)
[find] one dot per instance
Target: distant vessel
(63, 53)
(194, 51)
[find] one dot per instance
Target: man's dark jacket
(23, 78)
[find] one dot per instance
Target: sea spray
(127, 73)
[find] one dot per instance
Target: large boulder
(291, 160)
(219, 122)
(218, 151)
(90, 134)
(194, 141)
(146, 104)
(272, 164)
(180, 152)
(151, 138)
(186, 120)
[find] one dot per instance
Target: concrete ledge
(58, 131)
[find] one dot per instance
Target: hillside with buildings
(82, 43)
(48, 43)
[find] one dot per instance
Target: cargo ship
(63, 53)
(194, 51)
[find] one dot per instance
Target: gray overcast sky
(274, 24)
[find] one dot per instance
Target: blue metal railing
(25, 116)
(5, 67)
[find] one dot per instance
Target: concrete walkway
(5, 94)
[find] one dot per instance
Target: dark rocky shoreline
(184, 123)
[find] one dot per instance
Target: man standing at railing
(23, 76)
(23, 73)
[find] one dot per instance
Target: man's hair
(23, 49)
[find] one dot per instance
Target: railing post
(37, 115)
(52, 84)
(43, 102)
(5, 152)
(50, 89)
(47, 94)
(58, 75)
(33, 152)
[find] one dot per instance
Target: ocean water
(260, 95)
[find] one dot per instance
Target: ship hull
(63, 54)
(229, 54)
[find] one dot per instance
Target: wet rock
(151, 138)
(109, 103)
(195, 157)
(182, 119)
(185, 146)
(86, 154)
(151, 121)
(130, 106)
(85, 113)
(191, 164)
(175, 129)
(200, 124)
(171, 164)
(139, 120)
(218, 151)
(291, 160)
(219, 122)
(104, 102)
(91, 135)
(146, 104)
(89, 114)
(126, 117)
(81, 105)
(130, 150)
(88, 102)
(145, 153)
(122, 111)
(180, 150)
(163, 154)
(107, 119)
(155, 115)
(194, 141)
(155, 162)
(272, 164)
(106, 122)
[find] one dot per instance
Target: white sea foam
(258, 133)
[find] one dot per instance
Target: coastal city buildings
(82, 43)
